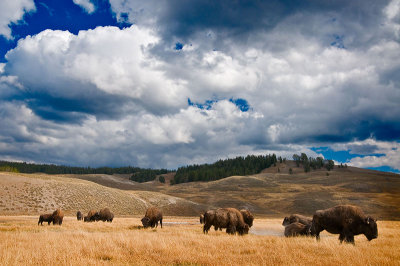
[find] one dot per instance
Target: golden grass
(124, 242)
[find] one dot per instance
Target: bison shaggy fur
(247, 217)
(297, 218)
(92, 216)
(106, 215)
(45, 218)
(210, 217)
(297, 229)
(58, 217)
(229, 218)
(345, 220)
(151, 218)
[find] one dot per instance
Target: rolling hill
(31, 194)
(272, 193)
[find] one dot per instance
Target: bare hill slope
(39, 193)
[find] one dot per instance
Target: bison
(297, 229)
(247, 217)
(345, 220)
(210, 216)
(58, 217)
(151, 218)
(229, 218)
(45, 218)
(91, 216)
(297, 218)
(79, 216)
(106, 215)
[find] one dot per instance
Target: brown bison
(106, 215)
(58, 217)
(345, 220)
(92, 216)
(45, 218)
(79, 216)
(297, 229)
(247, 217)
(151, 218)
(229, 218)
(297, 218)
(210, 214)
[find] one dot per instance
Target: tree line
(23, 167)
(309, 163)
(248, 165)
(146, 175)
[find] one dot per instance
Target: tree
(162, 179)
(329, 165)
(296, 158)
(290, 171)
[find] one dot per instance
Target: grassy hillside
(272, 193)
(277, 193)
(32, 194)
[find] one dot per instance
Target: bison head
(286, 221)
(146, 222)
(202, 218)
(243, 230)
(370, 228)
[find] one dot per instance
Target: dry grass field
(181, 241)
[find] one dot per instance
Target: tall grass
(124, 242)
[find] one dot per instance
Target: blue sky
(170, 83)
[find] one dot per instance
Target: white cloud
(390, 157)
(123, 94)
(86, 5)
(108, 59)
(12, 11)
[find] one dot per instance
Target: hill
(32, 194)
(272, 193)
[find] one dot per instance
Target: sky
(167, 83)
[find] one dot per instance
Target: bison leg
(161, 223)
(206, 228)
(231, 230)
(341, 238)
(350, 238)
(317, 236)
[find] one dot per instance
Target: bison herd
(233, 220)
(345, 220)
(56, 218)
(104, 215)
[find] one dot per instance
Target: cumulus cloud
(105, 65)
(111, 96)
(12, 11)
(86, 5)
(389, 153)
